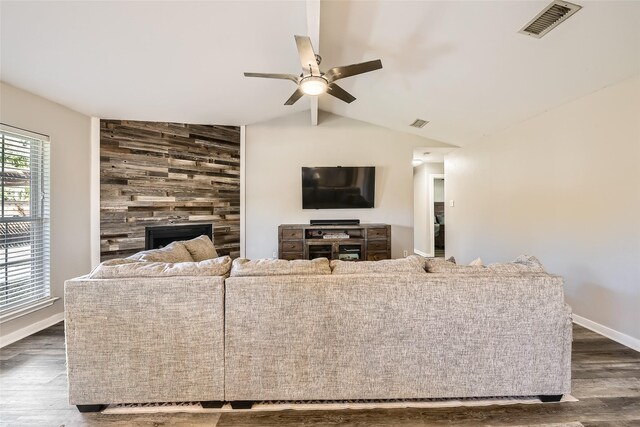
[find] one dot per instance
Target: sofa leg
(550, 397)
(212, 404)
(241, 404)
(90, 408)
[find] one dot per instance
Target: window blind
(24, 224)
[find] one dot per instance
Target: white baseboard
(30, 330)
(424, 254)
(623, 339)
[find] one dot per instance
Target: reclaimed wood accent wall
(167, 173)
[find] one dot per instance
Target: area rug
(325, 405)
(573, 424)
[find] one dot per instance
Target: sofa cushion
(201, 248)
(243, 267)
(173, 252)
(458, 269)
(522, 264)
(120, 268)
(440, 265)
(410, 264)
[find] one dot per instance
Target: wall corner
(94, 192)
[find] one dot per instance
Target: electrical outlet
(405, 253)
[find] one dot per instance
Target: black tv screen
(338, 187)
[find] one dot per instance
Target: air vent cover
(552, 15)
(419, 123)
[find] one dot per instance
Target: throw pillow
(173, 252)
(243, 267)
(477, 262)
(433, 263)
(522, 264)
(529, 261)
(116, 269)
(410, 264)
(201, 248)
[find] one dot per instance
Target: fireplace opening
(161, 235)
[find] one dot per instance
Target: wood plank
(152, 199)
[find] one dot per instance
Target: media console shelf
(369, 242)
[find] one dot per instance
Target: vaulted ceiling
(460, 64)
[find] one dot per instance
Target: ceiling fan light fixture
(314, 85)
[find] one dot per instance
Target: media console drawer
(377, 233)
(292, 255)
(377, 245)
(292, 246)
(376, 256)
(291, 233)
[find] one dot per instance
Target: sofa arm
(137, 340)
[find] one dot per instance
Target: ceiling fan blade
(291, 77)
(293, 98)
(337, 73)
(340, 93)
(307, 56)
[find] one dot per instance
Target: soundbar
(334, 222)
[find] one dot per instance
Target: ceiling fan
(314, 82)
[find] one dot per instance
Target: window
(24, 223)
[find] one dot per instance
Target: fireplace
(161, 235)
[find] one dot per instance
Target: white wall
(70, 181)
(565, 187)
(276, 150)
(421, 202)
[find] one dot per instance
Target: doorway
(429, 200)
(423, 230)
(437, 218)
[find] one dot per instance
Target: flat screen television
(338, 187)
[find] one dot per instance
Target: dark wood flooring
(606, 379)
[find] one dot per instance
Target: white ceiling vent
(552, 15)
(419, 123)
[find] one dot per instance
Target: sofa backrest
(410, 336)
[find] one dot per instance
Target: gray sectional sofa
(146, 331)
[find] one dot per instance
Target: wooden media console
(369, 242)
